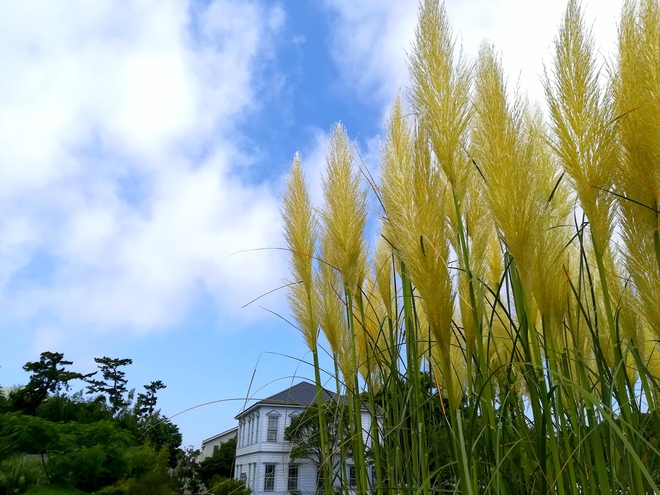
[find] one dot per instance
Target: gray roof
(302, 394)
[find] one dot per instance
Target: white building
(262, 453)
(213, 443)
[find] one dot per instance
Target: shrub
(116, 489)
(228, 486)
(18, 473)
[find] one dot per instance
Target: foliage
(20, 433)
(49, 375)
(90, 443)
(62, 408)
(116, 489)
(53, 490)
(18, 472)
(160, 433)
(146, 402)
(87, 456)
(228, 486)
(304, 433)
(4, 403)
(148, 472)
(186, 477)
(95, 455)
(221, 463)
(113, 384)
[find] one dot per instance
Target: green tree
(221, 463)
(87, 456)
(113, 384)
(4, 403)
(148, 472)
(159, 432)
(92, 456)
(64, 408)
(49, 376)
(146, 402)
(304, 433)
(186, 478)
(24, 434)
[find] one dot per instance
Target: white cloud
(105, 111)
(370, 38)
(369, 41)
(523, 31)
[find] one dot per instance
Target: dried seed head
(301, 232)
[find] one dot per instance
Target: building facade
(262, 453)
(213, 443)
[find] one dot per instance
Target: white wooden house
(262, 453)
(213, 443)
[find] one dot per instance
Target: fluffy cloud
(371, 38)
(369, 41)
(120, 197)
(524, 32)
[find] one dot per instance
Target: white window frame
(292, 481)
(352, 476)
(269, 477)
(271, 432)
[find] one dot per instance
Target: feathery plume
(497, 145)
(332, 315)
(344, 212)
(301, 232)
(636, 89)
(440, 93)
(582, 123)
(416, 225)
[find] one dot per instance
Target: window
(269, 478)
(292, 484)
(272, 429)
(320, 479)
(216, 447)
(352, 479)
(293, 416)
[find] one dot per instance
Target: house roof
(302, 394)
(224, 433)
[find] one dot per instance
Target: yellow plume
(301, 232)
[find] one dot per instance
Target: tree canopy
(86, 440)
(221, 463)
(49, 376)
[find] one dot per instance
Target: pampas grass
(504, 332)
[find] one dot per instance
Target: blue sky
(143, 150)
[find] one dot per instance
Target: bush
(54, 490)
(116, 489)
(228, 486)
(221, 463)
(18, 473)
(149, 473)
(150, 484)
